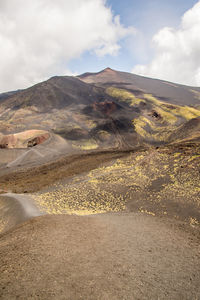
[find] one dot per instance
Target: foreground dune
(109, 256)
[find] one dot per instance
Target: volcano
(109, 109)
(99, 184)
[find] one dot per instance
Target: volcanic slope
(105, 110)
(152, 197)
(166, 91)
(123, 153)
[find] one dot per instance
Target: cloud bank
(177, 52)
(38, 38)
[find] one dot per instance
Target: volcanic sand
(124, 255)
(108, 256)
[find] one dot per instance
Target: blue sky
(147, 16)
(42, 38)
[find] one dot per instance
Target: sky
(43, 38)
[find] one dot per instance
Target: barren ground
(145, 247)
(109, 256)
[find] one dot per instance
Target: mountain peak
(108, 70)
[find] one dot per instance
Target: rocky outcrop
(29, 138)
(38, 140)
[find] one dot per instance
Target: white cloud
(38, 38)
(177, 52)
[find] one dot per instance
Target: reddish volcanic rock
(38, 140)
(106, 107)
(24, 139)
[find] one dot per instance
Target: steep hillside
(163, 90)
(100, 111)
(188, 131)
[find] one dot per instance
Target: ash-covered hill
(109, 109)
(165, 91)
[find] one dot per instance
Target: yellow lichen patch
(147, 212)
(152, 99)
(170, 114)
(177, 154)
(85, 144)
(154, 182)
(159, 129)
(81, 198)
(193, 157)
(193, 222)
(185, 112)
(155, 132)
(94, 180)
(84, 212)
(124, 95)
(139, 125)
(167, 116)
(161, 109)
(188, 112)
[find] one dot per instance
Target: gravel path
(109, 256)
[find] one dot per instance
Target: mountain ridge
(103, 110)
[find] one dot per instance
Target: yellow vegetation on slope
(151, 180)
(169, 114)
(123, 95)
(85, 144)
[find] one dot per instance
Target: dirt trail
(111, 256)
(15, 209)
